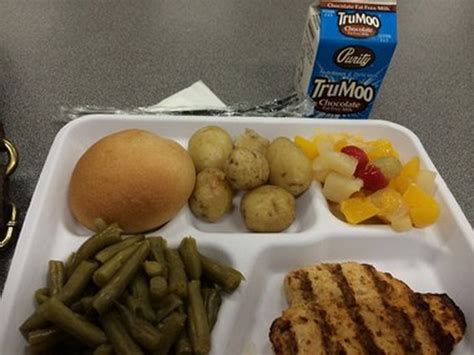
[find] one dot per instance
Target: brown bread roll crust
(133, 177)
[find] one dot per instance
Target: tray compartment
(424, 267)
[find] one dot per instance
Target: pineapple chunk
(338, 187)
(358, 141)
(426, 180)
(324, 145)
(322, 141)
(390, 203)
(402, 224)
(381, 148)
(336, 161)
(321, 168)
(340, 144)
(320, 175)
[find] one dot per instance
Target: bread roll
(133, 177)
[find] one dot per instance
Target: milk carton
(347, 47)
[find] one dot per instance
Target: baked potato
(209, 147)
(290, 168)
(246, 169)
(212, 195)
(268, 208)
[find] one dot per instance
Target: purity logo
(358, 24)
(354, 57)
(345, 96)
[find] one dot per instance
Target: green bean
(86, 317)
(206, 283)
(182, 309)
(100, 224)
(36, 320)
(225, 276)
(170, 303)
(91, 246)
(118, 283)
(212, 302)
(83, 305)
(76, 307)
(57, 312)
(50, 336)
(106, 253)
(183, 345)
(140, 329)
(141, 292)
(91, 288)
(190, 256)
(118, 336)
(69, 262)
(158, 251)
(41, 295)
(56, 276)
(154, 268)
(77, 282)
(171, 329)
(33, 322)
(69, 293)
(177, 282)
(86, 302)
(198, 324)
(132, 303)
(46, 341)
(107, 270)
(104, 349)
(158, 287)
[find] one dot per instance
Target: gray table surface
(135, 53)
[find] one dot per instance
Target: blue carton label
(352, 51)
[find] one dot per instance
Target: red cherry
(360, 155)
(373, 178)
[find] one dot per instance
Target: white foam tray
(439, 258)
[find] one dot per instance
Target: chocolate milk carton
(347, 47)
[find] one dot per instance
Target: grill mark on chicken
(403, 325)
(457, 313)
(444, 342)
(327, 333)
(366, 336)
(288, 341)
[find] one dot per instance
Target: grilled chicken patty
(352, 308)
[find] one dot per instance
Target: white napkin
(195, 97)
